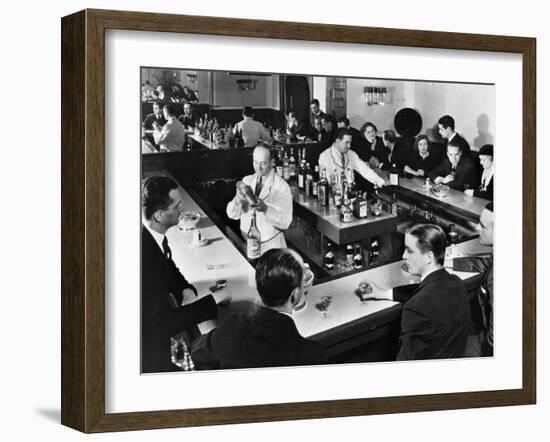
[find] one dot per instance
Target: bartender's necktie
(258, 188)
(343, 161)
(166, 248)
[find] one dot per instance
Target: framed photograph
(300, 143)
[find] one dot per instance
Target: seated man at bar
(446, 127)
(253, 131)
(168, 302)
(458, 170)
(329, 129)
(422, 160)
(295, 128)
(268, 337)
(273, 198)
(188, 118)
(171, 137)
(147, 126)
(356, 138)
(396, 153)
(338, 159)
(482, 344)
(436, 313)
(316, 132)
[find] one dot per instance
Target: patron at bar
(147, 126)
(371, 149)
(314, 111)
(397, 153)
(172, 135)
(436, 315)
(168, 302)
(274, 202)
(269, 337)
(423, 159)
(446, 126)
(188, 118)
(458, 171)
(253, 131)
(339, 159)
(485, 189)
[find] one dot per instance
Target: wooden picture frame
(83, 219)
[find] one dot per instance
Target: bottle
(374, 252)
(346, 214)
(286, 168)
(300, 174)
(279, 165)
(349, 255)
(315, 183)
(394, 175)
(453, 234)
(394, 206)
(376, 204)
(360, 206)
(253, 240)
(322, 189)
(309, 180)
(328, 260)
(240, 142)
(292, 166)
(358, 261)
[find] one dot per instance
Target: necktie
(166, 248)
(258, 188)
(343, 161)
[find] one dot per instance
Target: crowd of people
(173, 93)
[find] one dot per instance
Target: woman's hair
(419, 138)
(367, 124)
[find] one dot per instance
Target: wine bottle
(253, 240)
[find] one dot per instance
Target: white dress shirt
(158, 237)
(486, 177)
(171, 136)
(276, 195)
(331, 160)
(253, 131)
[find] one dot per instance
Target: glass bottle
(360, 206)
(286, 168)
(374, 251)
(315, 183)
(253, 240)
(308, 179)
(279, 165)
(292, 166)
(358, 261)
(349, 255)
(346, 214)
(322, 189)
(394, 205)
(453, 234)
(394, 175)
(376, 204)
(328, 259)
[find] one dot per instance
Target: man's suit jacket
(149, 119)
(162, 315)
(461, 141)
(435, 318)
(466, 173)
(265, 339)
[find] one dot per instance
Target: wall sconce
(246, 84)
(375, 95)
(192, 78)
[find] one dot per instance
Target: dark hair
(489, 206)
(419, 138)
(278, 273)
(170, 110)
(155, 194)
(158, 103)
(455, 143)
(430, 238)
(314, 101)
(343, 120)
(248, 111)
(294, 113)
(389, 136)
(447, 121)
(367, 124)
(486, 149)
(343, 131)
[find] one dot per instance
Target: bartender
(272, 195)
(339, 159)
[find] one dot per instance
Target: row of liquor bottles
(353, 257)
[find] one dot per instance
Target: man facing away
(338, 159)
(482, 344)
(171, 137)
(168, 302)
(274, 209)
(436, 313)
(253, 131)
(269, 337)
(446, 127)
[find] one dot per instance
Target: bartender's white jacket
(277, 217)
(331, 160)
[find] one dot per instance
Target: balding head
(262, 160)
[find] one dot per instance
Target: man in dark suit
(314, 112)
(458, 171)
(397, 153)
(188, 118)
(147, 126)
(269, 337)
(446, 126)
(436, 313)
(168, 302)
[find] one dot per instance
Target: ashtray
(440, 190)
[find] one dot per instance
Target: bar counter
(350, 323)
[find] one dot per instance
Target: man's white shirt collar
(158, 237)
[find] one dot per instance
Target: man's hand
(420, 172)
(188, 296)
(374, 163)
(222, 296)
(448, 179)
(262, 207)
(438, 179)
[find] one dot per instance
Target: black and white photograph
(298, 220)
